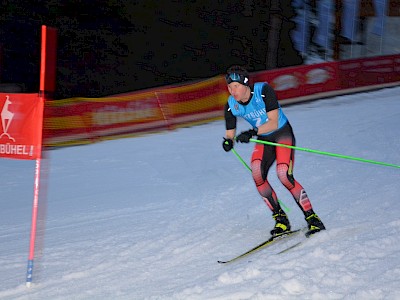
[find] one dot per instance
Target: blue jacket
(255, 111)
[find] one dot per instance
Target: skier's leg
(261, 161)
(284, 168)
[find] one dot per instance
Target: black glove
(227, 144)
(245, 136)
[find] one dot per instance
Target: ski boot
(282, 224)
(314, 223)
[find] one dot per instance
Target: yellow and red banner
(86, 120)
(21, 125)
(194, 103)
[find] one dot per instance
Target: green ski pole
(326, 153)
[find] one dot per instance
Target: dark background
(111, 47)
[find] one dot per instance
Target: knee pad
(284, 176)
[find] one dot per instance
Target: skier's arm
(230, 134)
(230, 123)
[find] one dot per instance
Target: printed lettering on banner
(21, 126)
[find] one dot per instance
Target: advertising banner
(294, 82)
(194, 103)
(89, 119)
(369, 71)
(21, 126)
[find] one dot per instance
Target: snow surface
(148, 217)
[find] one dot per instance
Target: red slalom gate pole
(46, 90)
(34, 224)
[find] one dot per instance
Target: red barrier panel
(21, 120)
(369, 71)
(301, 81)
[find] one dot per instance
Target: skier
(259, 106)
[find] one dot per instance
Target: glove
(227, 144)
(245, 136)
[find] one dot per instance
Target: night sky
(111, 47)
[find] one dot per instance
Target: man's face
(238, 91)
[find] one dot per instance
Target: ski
(268, 242)
(290, 247)
(306, 235)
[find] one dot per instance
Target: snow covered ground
(148, 217)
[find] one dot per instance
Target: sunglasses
(234, 77)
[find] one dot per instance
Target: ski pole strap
(285, 208)
(326, 153)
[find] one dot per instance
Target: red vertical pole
(47, 87)
(34, 223)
